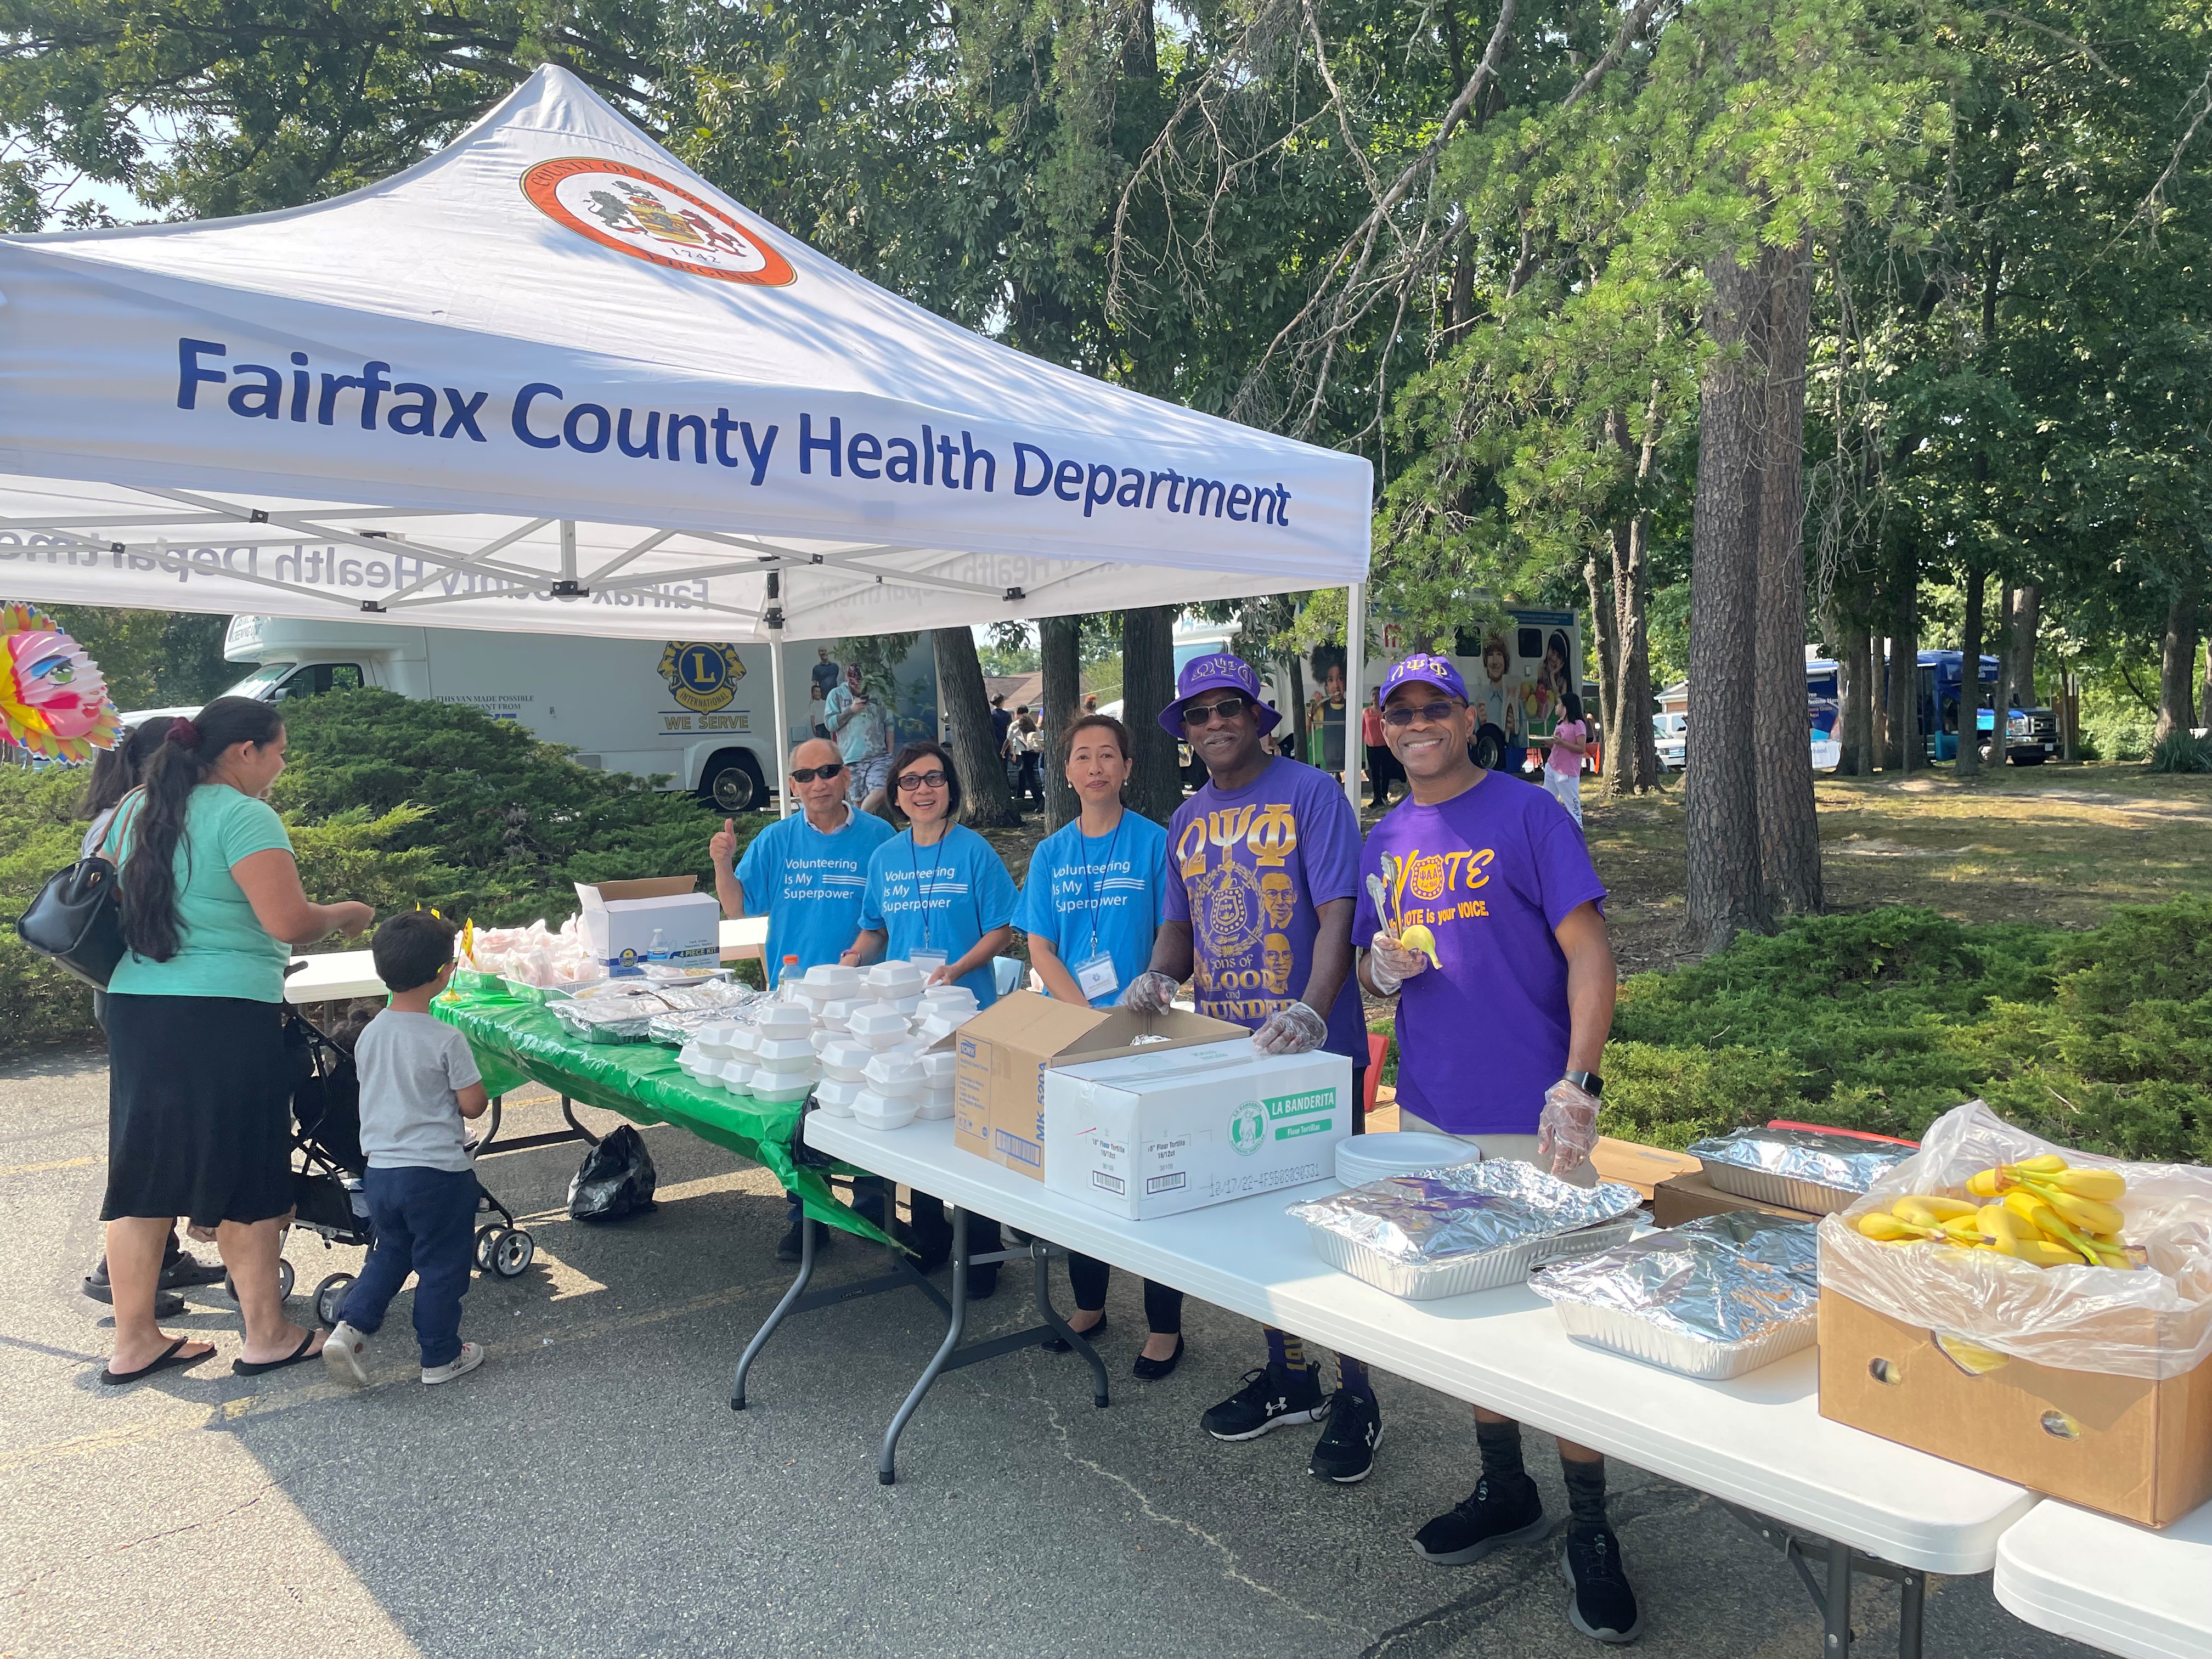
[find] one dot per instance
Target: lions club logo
(1248, 1128)
(626, 208)
(702, 677)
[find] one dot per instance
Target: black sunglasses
(922, 780)
(808, 774)
(1434, 713)
(1203, 713)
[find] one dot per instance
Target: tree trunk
(985, 800)
(2027, 619)
(1721, 790)
(2207, 720)
(2001, 694)
(1635, 743)
(1602, 619)
(1969, 762)
(2177, 667)
(1907, 754)
(1060, 650)
(1878, 681)
(1857, 715)
(1781, 738)
(1296, 715)
(1147, 687)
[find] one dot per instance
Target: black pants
(1028, 787)
(928, 1213)
(1162, 1303)
(1382, 768)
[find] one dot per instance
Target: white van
(698, 712)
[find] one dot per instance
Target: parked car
(1668, 732)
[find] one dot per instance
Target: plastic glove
(1297, 1030)
(1150, 992)
(1566, 1133)
(1390, 964)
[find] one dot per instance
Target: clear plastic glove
(1390, 964)
(1566, 1133)
(1297, 1030)
(1150, 992)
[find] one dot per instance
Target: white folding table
(1759, 1442)
(2114, 1585)
(337, 975)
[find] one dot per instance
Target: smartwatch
(1588, 1082)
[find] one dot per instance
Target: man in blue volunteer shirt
(808, 873)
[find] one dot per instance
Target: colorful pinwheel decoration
(53, 698)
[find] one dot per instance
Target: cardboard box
(998, 1100)
(2126, 1445)
(619, 918)
(1686, 1197)
(1151, 1134)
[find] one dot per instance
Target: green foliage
(1885, 1020)
(153, 658)
(2178, 752)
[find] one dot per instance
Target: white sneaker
(345, 1354)
(467, 1360)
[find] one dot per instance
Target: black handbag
(76, 920)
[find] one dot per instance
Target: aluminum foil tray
(1425, 1281)
(1713, 1362)
(1798, 1169)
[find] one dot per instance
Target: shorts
(868, 776)
(1517, 1149)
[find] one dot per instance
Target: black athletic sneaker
(1345, 1451)
(1604, 1606)
(1510, 1510)
(1271, 1398)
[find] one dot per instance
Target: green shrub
(2178, 752)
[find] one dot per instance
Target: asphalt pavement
(589, 1489)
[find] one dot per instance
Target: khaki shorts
(1520, 1148)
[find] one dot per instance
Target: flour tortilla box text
(1152, 1134)
(620, 917)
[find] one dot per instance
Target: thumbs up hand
(724, 847)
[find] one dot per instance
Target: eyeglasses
(922, 780)
(1203, 713)
(1434, 714)
(808, 774)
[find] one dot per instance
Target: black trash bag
(616, 1179)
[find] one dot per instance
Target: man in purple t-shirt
(1258, 916)
(1499, 1041)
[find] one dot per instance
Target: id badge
(1095, 978)
(928, 961)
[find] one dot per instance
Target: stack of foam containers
(736, 1072)
(942, 1011)
(844, 1073)
(939, 1068)
(888, 1100)
(785, 1066)
(898, 983)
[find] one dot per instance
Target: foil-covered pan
(1470, 1227)
(1713, 1298)
(1798, 1169)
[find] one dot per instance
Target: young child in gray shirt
(418, 1081)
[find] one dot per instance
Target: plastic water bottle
(656, 950)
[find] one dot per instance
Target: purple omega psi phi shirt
(1491, 872)
(1248, 872)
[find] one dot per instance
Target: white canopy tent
(551, 381)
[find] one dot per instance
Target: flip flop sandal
(172, 1359)
(298, 1356)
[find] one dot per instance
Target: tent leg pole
(781, 736)
(1355, 697)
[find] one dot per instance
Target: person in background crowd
(1025, 748)
(1380, 767)
(938, 896)
(1091, 907)
(817, 707)
(862, 727)
(115, 773)
(1266, 859)
(1325, 722)
(1563, 756)
(1001, 720)
(1523, 955)
(823, 674)
(1091, 702)
(199, 1078)
(807, 874)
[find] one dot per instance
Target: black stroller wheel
(486, 1240)
(287, 1275)
(514, 1253)
(330, 1298)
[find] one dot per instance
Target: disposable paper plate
(1362, 1158)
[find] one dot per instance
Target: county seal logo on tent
(626, 208)
(701, 677)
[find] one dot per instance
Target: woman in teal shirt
(1091, 905)
(199, 1078)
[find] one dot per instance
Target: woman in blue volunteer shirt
(939, 896)
(1090, 906)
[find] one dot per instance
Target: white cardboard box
(1154, 1134)
(619, 918)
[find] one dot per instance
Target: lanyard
(1082, 849)
(921, 897)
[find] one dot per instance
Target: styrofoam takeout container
(782, 1088)
(785, 1020)
(894, 1075)
(877, 1024)
(782, 1056)
(872, 1111)
(836, 1095)
(834, 979)
(939, 1067)
(895, 978)
(736, 1076)
(846, 1059)
(933, 1105)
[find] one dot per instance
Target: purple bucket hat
(1220, 671)
(1422, 669)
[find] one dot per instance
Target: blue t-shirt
(1084, 894)
(943, 898)
(810, 884)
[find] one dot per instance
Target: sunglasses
(1433, 714)
(1205, 713)
(808, 774)
(922, 780)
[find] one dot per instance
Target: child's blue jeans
(425, 1222)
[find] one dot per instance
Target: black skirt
(199, 1105)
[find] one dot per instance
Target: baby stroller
(326, 1179)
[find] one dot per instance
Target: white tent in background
(551, 381)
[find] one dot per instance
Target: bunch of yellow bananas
(2040, 1211)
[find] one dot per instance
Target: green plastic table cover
(514, 1039)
